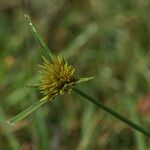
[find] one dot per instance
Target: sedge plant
(57, 77)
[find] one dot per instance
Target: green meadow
(105, 39)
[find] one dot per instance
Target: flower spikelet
(56, 77)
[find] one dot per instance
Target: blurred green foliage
(106, 39)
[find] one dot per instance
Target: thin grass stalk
(112, 112)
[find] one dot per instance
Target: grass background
(107, 39)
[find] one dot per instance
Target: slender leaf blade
(26, 112)
(36, 35)
(84, 79)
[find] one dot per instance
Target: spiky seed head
(56, 77)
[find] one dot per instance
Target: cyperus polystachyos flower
(56, 77)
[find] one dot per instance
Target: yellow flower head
(56, 77)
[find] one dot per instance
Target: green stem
(112, 112)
